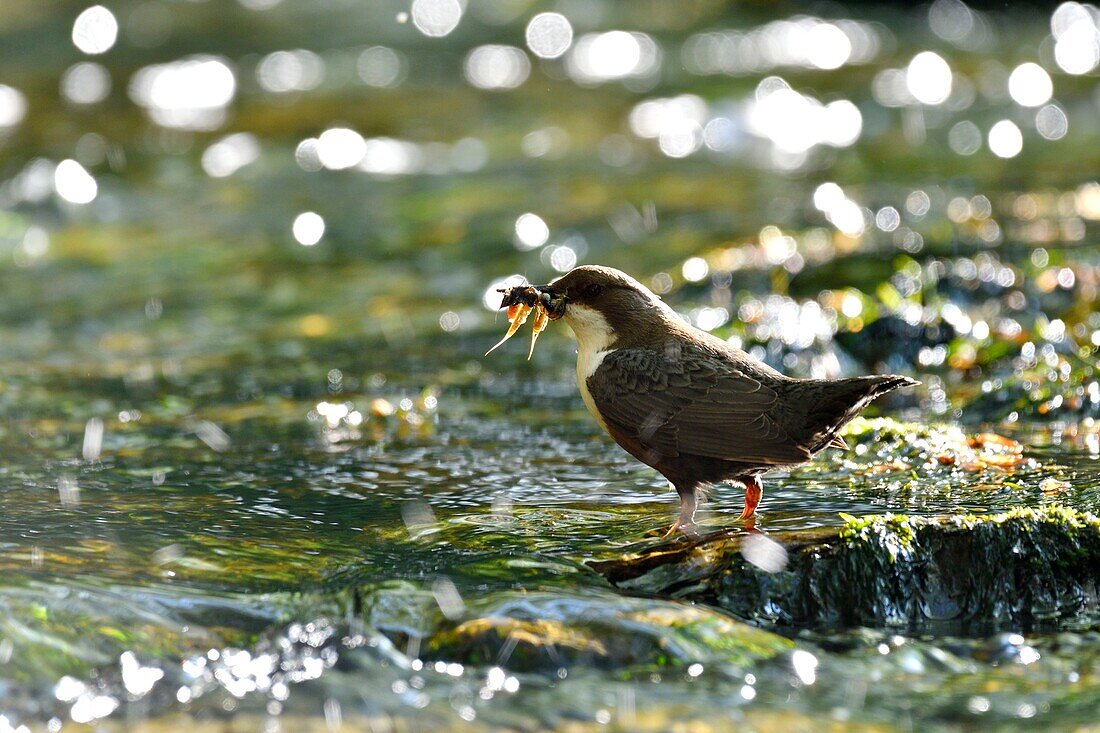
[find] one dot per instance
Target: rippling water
(256, 473)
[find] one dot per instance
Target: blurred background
(249, 254)
(271, 180)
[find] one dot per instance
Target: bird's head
(604, 305)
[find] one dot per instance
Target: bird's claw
(753, 492)
(688, 530)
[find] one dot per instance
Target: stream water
(256, 474)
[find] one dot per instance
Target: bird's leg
(686, 522)
(753, 491)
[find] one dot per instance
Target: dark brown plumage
(687, 403)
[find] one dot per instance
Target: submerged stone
(1028, 569)
(545, 632)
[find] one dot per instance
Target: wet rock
(881, 445)
(530, 632)
(1028, 569)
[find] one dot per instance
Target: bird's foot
(753, 492)
(679, 527)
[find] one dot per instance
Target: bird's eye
(593, 290)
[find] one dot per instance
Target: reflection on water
(255, 466)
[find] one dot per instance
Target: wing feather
(692, 401)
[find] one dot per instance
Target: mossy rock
(1028, 569)
(539, 631)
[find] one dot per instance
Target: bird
(691, 405)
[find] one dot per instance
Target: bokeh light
(828, 47)
(339, 148)
(928, 78)
(308, 228)
(385, 156)
(803, 42)
(379, 66)
(951, 20)
(600, 57)
(965, 138)
(796, 122)
(1030, 85)
(95, 30)
(13, 107)
(192, 93)
(228, 155)
(497, 67)
(1077, 38)
(290, 71)
(1005, 139)
(549, 35)
(86, 83)
(694, 269)
(436, 18)
(531, 231)
(1051, 122)
(74, 184)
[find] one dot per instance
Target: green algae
(971, 574)
(541, 631)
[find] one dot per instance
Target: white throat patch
(594, 336)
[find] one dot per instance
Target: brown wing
(719, 410)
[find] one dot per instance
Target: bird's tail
(830, 404)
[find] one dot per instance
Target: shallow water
(249, 483)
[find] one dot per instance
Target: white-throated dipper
(687, 403)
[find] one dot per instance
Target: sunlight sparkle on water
(308, 228)
(1030, 85)
(844, 213)
(965, 138)
(379, 66)
(73, 183)
(549, 35)
(86, 83)
(306, 156)
(491, 298)
(1005, 139)
(928, 78)
(887, 219)
(805, 42)
(95, 30)
(827, 46)
(290, 71)
(676, 123)
(1051, 122)
(497, 67)
(340, 147)
(190, 94)
(13, 106)
(599, 57)
(137, 679)
(385, 156)
(1077, 38)
(805, 666)
(563, 258)
(796, 122)
(531, 231)
(230, 154)
(694, 269)
(951, 20)
(436, 18)
(89, 707)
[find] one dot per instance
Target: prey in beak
(521, 301)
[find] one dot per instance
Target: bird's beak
(553, 302)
